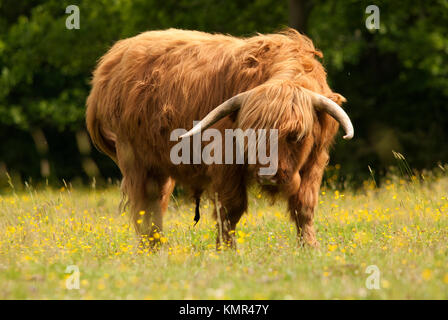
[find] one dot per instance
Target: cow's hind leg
(302, 204)
(147, 193)
(148, 197)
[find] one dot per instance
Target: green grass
(401, 227)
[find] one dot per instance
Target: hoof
(310, 243)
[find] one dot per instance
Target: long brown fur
(146, 86)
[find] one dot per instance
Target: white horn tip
(190, 133)
(185, 135)
(348, 136)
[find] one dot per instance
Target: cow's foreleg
(302, 204)
(231, 205)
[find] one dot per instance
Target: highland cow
(147, 86)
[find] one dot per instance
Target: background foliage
(395, 78)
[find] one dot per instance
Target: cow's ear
(338, 98)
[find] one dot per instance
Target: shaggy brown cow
(148, 85)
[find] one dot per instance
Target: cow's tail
(103, 138)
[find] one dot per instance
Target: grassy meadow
(400, 226)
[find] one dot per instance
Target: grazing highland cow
(147, 86)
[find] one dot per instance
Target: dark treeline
(395, 78)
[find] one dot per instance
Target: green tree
(395, 78)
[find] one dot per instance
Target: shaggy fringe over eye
(278, 104)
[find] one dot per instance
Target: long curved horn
(333, 109)
(217, 114)
(319, 102)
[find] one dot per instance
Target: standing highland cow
(147, 86)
